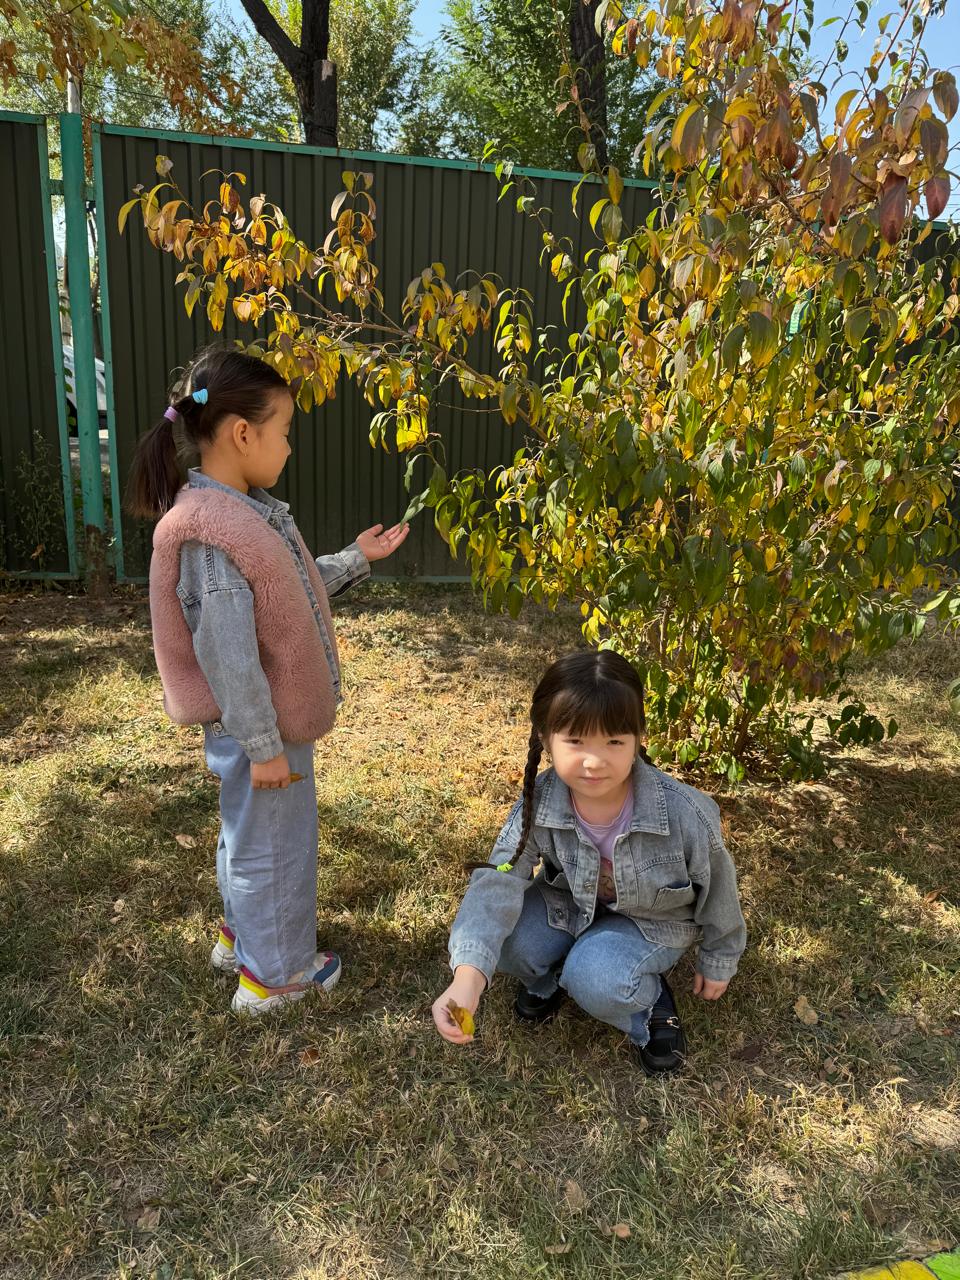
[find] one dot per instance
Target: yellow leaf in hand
(462, 1017)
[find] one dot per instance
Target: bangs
(608, 707)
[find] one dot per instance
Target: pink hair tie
(170, 414)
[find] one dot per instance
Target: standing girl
(634, 870)
(245, 646)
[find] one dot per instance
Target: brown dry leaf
(934, 894)
(186, 842)
(558, 1248)
(296, 777)
(310, 1057)
(149, 1218)
(573, 1196)
(807, 1015)
(462, 1017)
(619, 1229)
(750, 1052)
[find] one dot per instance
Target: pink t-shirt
(604, 836)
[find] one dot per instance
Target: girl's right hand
(271, 774)
(465, 990)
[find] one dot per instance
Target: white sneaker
(254, 998)
(223, 957)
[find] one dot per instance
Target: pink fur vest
(291, 650)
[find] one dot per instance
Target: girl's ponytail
(221, 381)
(155, 477)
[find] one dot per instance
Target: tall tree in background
(504, 70)
(369, 43)
(588, 88)
(47, 44)
(135, 94)
(312, 71)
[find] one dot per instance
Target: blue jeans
(267, 860)
(611, 970)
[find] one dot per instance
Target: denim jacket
(217, 603)
(674, 877)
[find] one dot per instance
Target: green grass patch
(147, 1133)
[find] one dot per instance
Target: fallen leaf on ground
(619, 1229)
(186, 842)
(573, 1196)
(310, 1057)
(149, 1219)
(934, 894)
(558, 1248)
(807, 1015)
(750, 1052)
(462, 1017)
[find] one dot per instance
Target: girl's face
(594, 765)
(267, 446)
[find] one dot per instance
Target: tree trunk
(590, 76)
(317, 96)
(314, 76)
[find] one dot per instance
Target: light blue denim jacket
(217, 603)
(674, 876)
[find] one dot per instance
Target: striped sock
(253, 984)
(227, 937)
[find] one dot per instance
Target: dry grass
(146, 1133)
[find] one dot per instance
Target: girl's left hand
(707, 989)
(377, 543)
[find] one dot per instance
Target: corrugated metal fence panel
(426, 212)
(33, 505)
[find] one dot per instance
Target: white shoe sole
(223, 959)
(248, 1004)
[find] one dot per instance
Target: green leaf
(763, 338)
(855, 326)
(732, 347)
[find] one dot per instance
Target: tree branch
(275, 36)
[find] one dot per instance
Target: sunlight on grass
(147, 1133)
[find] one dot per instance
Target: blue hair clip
(200, 396)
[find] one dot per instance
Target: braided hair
(580, 693)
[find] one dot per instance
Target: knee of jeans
(594, 977)
(517, 962)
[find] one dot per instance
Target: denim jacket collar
(649, 802)
(265, 504)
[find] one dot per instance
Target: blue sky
(942, 44)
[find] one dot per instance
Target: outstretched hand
(377, 543)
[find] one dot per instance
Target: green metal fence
(427, 211)
(36, 492)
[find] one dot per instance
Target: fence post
(81, 323)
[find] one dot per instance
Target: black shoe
(531, 1008)
(666, 1049)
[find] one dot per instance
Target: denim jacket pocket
(674, 895)
(561, 908)
(554, 876)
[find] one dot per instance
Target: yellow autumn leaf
(462, 1017)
